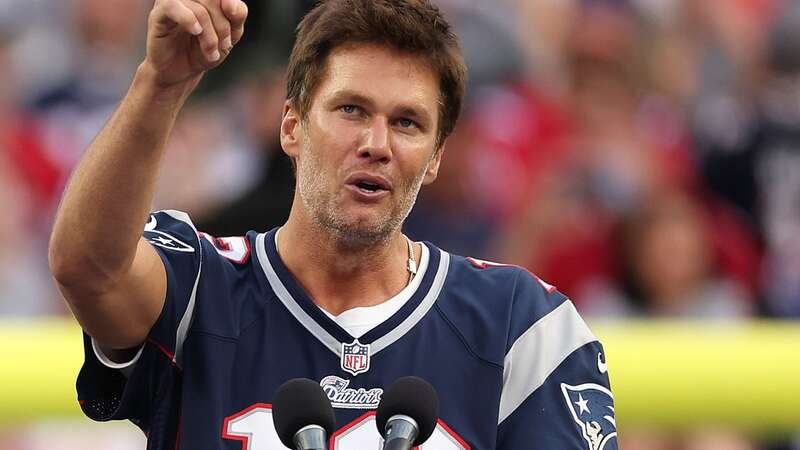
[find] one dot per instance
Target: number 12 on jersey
(255, 429)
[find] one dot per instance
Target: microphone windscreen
(299, 403)
(412, 397)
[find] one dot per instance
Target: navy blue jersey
(514, 365)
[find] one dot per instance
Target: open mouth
(366, 186)
(369, 184)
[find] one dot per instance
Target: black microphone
(303, 415)
(407, 414)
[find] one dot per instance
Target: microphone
(407, 414)
(303, 415)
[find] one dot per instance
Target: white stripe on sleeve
(538, 352)
(188, 315)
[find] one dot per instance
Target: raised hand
(187, 37)
(117, 286)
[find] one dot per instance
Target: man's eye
(349, 109)
(406, 123)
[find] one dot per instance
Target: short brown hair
(412, 26)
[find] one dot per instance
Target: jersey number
(254, 428)
(236, 249)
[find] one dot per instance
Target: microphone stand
(401, 431)
(311, 437)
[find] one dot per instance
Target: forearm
(107, 200)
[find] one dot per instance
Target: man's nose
(375, 144)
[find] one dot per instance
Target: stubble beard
(320, 201)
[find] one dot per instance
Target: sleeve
(556, 393)
(147, 385)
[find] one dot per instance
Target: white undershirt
(358, 321)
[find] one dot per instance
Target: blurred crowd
(641, 155)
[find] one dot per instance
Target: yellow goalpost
(664, 374)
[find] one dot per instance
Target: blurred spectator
(759, 170)
(23, 149)
(25, 287)
(264, 201)
(211, 157)
(107, 42)
(669, 268)
(508, 134)
(103, 44)
(607, 159)
(447, 211)
(28, 179)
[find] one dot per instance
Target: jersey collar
(299, 304)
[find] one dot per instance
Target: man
(191, 335)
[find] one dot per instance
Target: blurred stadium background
(641, 155)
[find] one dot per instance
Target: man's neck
(339, 277)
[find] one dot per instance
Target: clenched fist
(187, 37)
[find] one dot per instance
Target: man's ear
(433, 166)
(290, 130)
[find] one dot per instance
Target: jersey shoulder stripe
(538, 352)
(541, 326)
(172, 233)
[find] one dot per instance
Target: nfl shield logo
(355, 358)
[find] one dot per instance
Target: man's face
(367, 144)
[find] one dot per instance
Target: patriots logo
(343, 397)
(167, 241)
(592, 408)
(335, 383)
(162, 239)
